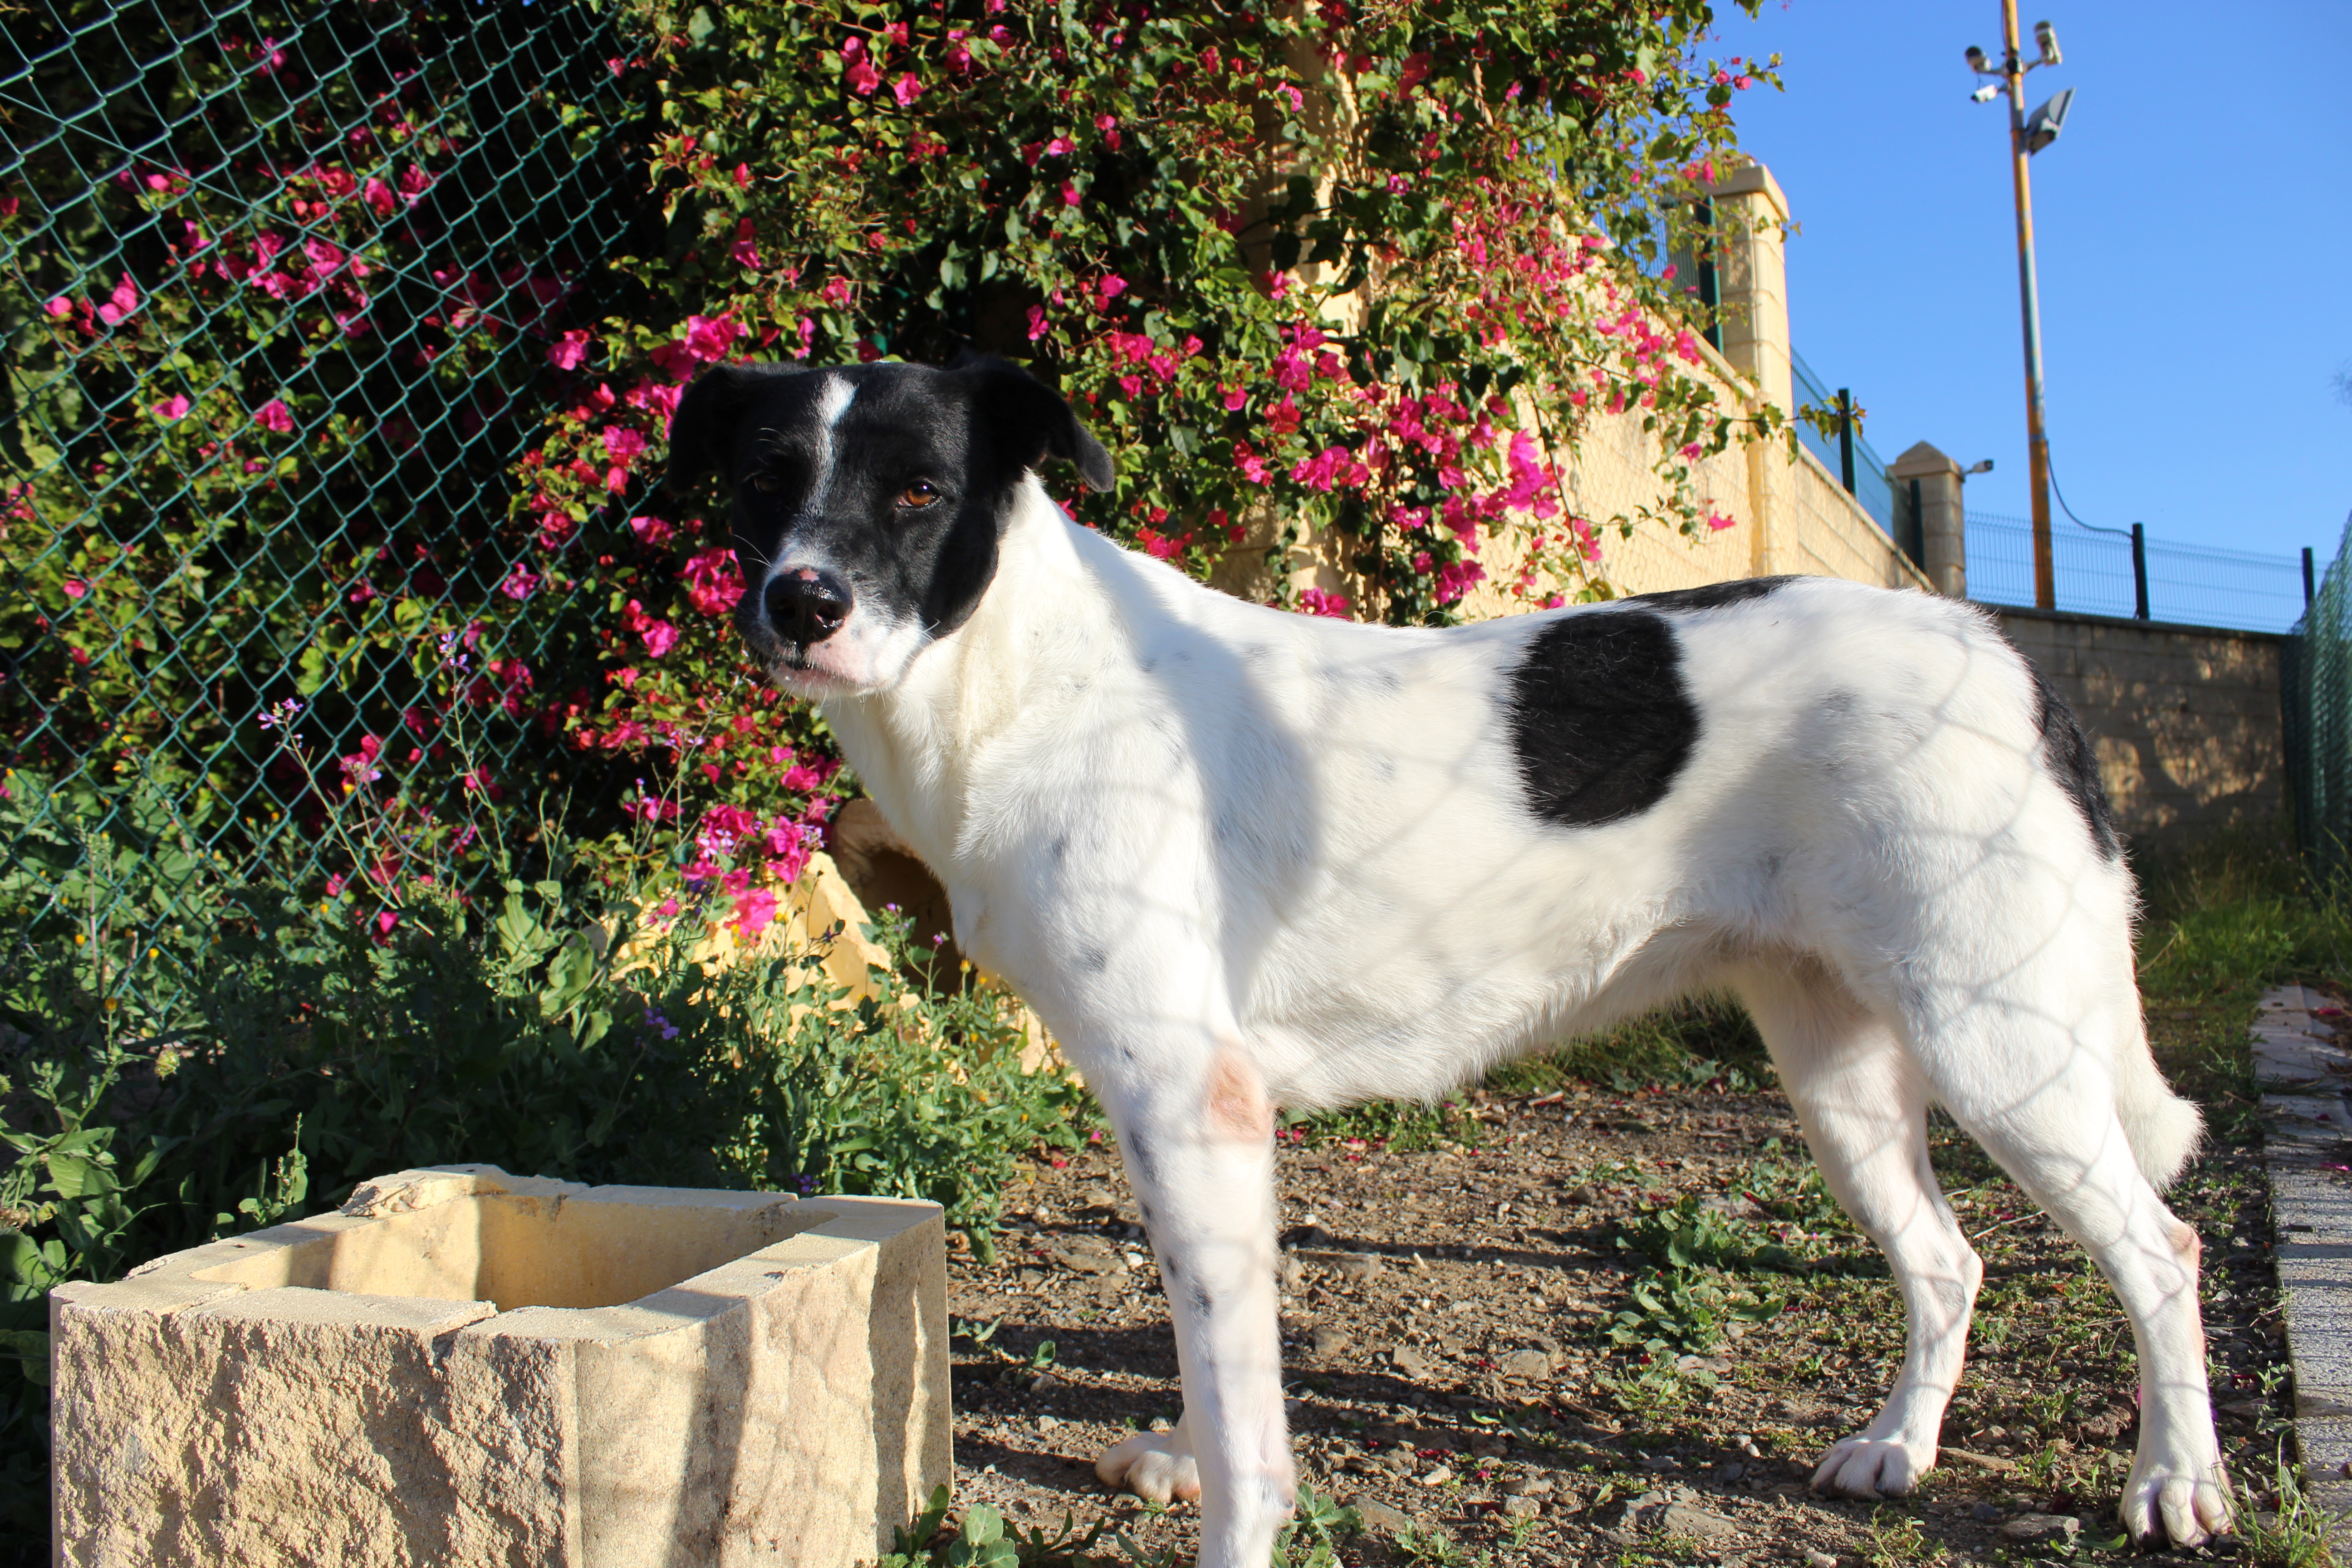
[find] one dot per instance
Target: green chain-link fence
(2317, 684)
(280, 286)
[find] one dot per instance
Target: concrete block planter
(465, 1367)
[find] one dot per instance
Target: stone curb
(2305, 1077)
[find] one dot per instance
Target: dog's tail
(2164, 1130)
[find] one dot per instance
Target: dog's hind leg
(1864, 1108)
(2050, 1116)
(1200, 1156)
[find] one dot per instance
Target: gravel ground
(1483, 1353)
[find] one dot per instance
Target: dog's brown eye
(920, 494)
(765, 483)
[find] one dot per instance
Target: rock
(1820, 1560)
(1527, 1486)
(1410, 1362)
(1046, 1383)
(1523, 1506)
(2037, 1528)
(1987, 1513)
(1438, 1477)
(1048, 1423)
(1096, 1198)
(1086, 1255)
(1289, 1271)
(1374, 1514)
(1727, 1474)
(1531, 1366)
(1327, 1343)
(1687, 1519)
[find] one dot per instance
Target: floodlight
(1986, 93)
(2047, 36)
(2043, 126)
(1979, 64)
(1983, 467)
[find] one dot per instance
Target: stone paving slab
(2306, 1079)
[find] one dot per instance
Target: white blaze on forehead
(833, 400)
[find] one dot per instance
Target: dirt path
(1481, 1341)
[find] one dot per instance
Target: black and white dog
(1201, 837)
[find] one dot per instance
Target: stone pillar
(1943, 520)
(1752, 277)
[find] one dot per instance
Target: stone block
(465, 1367)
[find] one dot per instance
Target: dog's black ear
(703, 428)
(1030, 420)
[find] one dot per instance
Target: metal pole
(1845, 439)
(2310, 588)
(2037, 442)
(2140, 572)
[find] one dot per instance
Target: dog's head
(868, 501)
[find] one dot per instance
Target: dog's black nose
(807, 605)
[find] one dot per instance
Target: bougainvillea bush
(1353, 274)
(1345, 277)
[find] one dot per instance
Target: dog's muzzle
(805, 606)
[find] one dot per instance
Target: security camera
(2047, 36)
(1979, 64)
(1983, 467)
(1986, 93)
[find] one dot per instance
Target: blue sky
(2194, 229)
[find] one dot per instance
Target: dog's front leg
(1200, 1152)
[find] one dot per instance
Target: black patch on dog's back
(2066, 751)
(1600, 720)
(1711, 595)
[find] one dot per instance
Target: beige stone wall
(2185, 720)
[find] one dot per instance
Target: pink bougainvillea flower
(76, 587)
(379, 198)
(173, 408)
(1316, 602)
(623, 444)
(653, 530)
(521, 582)
(1716, 521)
(59, 308)
(754, 912)
(745, 251)
(714, 582)
(121, 304)
(384, 923)
(863, 77)
(568, 353)
(1037, 322)
(905, 90)
(274, 416)
(1070, 197)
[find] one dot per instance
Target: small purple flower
(807, 1185)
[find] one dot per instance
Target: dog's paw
(1157, 1466)
(1864, 1466)
(2188, 1502)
